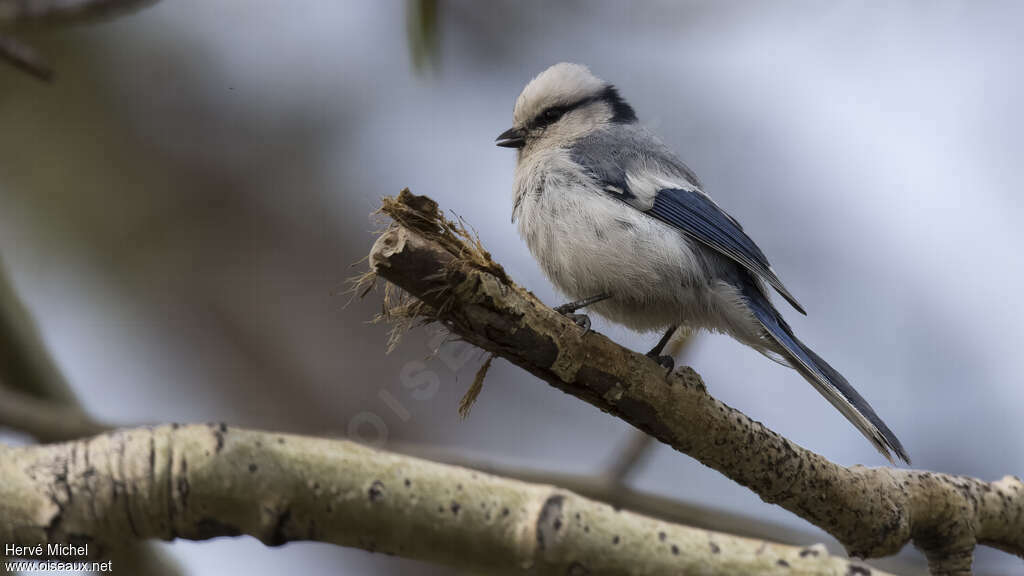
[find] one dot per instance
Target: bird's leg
(655, 353)
(582, 320)
(575, 305)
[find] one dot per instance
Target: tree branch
(60, 11)
(199, 482)
(599, 488)
(36, 398)
(24, 58)
(14, 13)
(25, 362)
(626, 459)
(872, 511)
(45, 420)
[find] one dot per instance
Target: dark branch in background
(26, 366)
(628, 459)
(15, 13)
(65, 11)
(625, 461)
(871, 511)
(44, 420)
(24, 58)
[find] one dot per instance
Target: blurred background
(180, 211)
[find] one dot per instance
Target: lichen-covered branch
(872, 511)
(198, 482)
(598, 487)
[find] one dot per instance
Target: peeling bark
(872, 511)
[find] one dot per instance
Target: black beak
(512, 138)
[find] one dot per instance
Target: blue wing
(638, 169)
(700, 218)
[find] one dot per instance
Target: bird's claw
(570, 307)
(666, 362)
(581, 320)
(566, 309)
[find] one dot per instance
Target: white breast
(590, 243)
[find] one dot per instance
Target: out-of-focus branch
(872, 511)
(14, 13)
(639, 445)
(200, 482)
(34, 396)
(60, 11)
(627, 458)
(36, 399)
(25, 362)
(25, 58)
(44, 420)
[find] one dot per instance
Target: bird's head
(562, 104)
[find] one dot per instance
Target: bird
(622, 226)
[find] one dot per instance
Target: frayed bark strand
(466, 404)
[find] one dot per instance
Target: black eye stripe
(552, 114)
(621, 111)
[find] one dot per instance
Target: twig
(25, 58)
(639, 444)
(628, 457)
(872, 511)
(25, 363)
(15, 13)
(54, 11)
(200, 482)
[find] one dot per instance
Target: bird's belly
(588, 244)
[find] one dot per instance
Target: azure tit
(620, 224)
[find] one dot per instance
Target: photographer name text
(48, 551)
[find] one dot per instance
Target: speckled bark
(198, 482)
(872, 511)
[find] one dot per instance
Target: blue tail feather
(826, 379)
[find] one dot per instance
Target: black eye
(552, 114)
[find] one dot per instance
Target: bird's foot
(581, 320)
(569, 307)
(666, 362)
